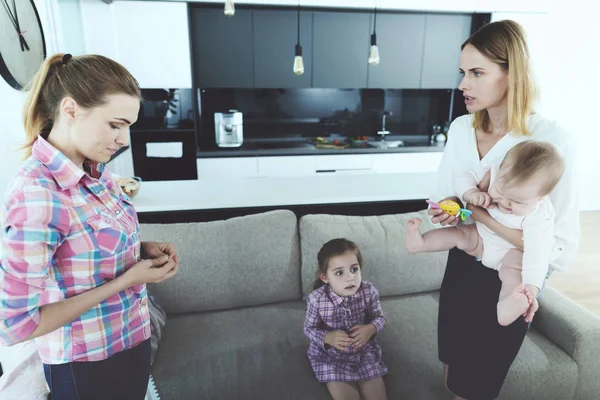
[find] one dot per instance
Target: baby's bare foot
(513, 305)
(414, 240)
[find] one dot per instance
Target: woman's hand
(152, 250)
(438, 216)
(150, 271)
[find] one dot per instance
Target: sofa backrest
(381, 240)
(238, 262)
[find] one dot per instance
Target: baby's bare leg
(343, 390)
(464, 237)
(373, 389)
(513, 301)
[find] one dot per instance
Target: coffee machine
(229, 129)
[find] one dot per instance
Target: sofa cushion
(260, 353)
(251, 353)
(238, 262)
(381, 241)
(409, 344)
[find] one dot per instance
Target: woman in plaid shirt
(342, 318)
(73, 271)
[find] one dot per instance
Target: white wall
(11, 106)
(150, 39)
(564, 48)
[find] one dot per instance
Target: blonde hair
(503, 42)
(88, 79)
(530, 159)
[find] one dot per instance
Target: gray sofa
(235, 314)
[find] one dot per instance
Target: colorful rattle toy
(451, 208)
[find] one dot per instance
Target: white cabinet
(405, 163)
(286, 166)
(151, 39)
(297, 166)
(343, 163)
(314, 165)
(232, 167)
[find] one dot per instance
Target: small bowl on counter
(358, 140)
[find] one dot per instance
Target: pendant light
(298, 62)
(374, 50)
(229, 8)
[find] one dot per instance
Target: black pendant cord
(14, 19)
(375, 21)
(298, 23)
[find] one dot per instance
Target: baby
(517, 198)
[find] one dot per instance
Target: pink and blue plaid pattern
(326, 311)
(66, 232)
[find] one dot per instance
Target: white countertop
(281, 191)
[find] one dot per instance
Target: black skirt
(477, 349)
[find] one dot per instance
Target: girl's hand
(361, 334)
(338, 339)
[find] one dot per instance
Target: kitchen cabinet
(393, 163)
(341, 163)
(275, 38)
(227, 167)
(340, 49)
(314, 165)
(400, 38)
(222, 48)
(444, 34)
(286, 166)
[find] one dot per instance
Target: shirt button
(118, 212)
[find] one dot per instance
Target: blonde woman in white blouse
(499, 93)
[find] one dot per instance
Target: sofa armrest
(576, 331)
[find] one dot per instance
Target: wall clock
(22, 44)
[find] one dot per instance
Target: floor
(582, 282)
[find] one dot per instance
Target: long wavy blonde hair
(503, 42)
(88, 79)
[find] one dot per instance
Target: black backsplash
(311, 112)
(165, 109)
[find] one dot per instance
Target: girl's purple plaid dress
(328, 312)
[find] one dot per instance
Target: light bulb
(298, 62)
(229, 8)
(298, 65)
(374, 55)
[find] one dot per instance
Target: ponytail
(88, 79)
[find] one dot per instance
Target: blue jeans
(123, 376)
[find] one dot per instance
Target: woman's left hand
(152, 250)
(361, 334)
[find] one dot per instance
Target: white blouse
(461, 153)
